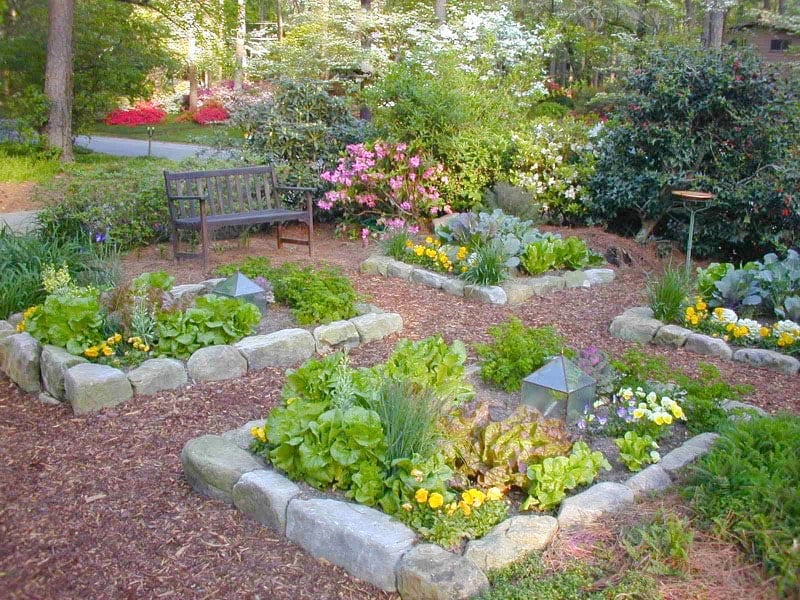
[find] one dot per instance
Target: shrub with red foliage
(142, 114)
(211, 113)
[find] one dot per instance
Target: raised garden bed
(515, 290)
(638, 324)
(61, 376)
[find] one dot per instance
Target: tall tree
(241, 34)
(440, 9)
(58, 76)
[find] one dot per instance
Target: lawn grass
(169, 131)
(18, 168)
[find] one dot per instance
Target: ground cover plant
(314, 295)
(25, 162)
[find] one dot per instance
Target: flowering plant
(141, 114)
(211, 112)
(385, 179)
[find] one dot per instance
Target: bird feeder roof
(237, 286)
(562, 375)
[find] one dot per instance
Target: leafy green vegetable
(160, 280)
(636, 450)
(555, 253)
(213, 320)
(551, 479)
(69, 321)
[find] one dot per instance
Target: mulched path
(97, 506)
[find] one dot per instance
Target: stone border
(638, 324)
(61, 376)
(512, 291)
(372, 546)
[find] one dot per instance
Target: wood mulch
(17, 197)
(97, 506)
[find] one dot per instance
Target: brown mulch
(97, 506)
(17, 197)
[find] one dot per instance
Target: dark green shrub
(516, 351)
(746, 489)
(711, 121)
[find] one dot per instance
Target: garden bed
(515, 290)
(638, 324)
(62, 376)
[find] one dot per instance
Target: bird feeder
(243, 288)
(559, 390)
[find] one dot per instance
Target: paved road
(127, 147)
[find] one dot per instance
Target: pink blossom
(412, 176)
(428, 173)
(448, 210)
(364, 233)
(324, 205)
(396, 183)
(413, 230)
(434, 210)
(414, 161)
(327, 176)
(405, 206)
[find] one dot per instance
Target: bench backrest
(227, 191)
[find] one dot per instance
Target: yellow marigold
(29, 312)
(110, 340)
(494, 494)
(701, 305)
(419, 250)
(254, 431)
(690, 311)
(421, 496)
(108, 351)
(91, 352)
(409, 243)
(117, 338)
(21, 326)
(436, 500)
(764, 331)
(718, 312)
(730, 327)
(430, 253)
(429, 240)
(465, 508)
(146, 348)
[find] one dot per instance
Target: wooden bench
(206, 200)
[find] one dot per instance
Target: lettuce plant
(637, 451)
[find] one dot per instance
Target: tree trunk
(767, 5)
(279, 13)
(58, 76)
(716, 27)
(366, 43)
(191, 70)
(440, 9)
(781, 7)
(241, 34)
(688, 14)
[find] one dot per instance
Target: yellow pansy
(494, 493)
(701, 305)
(429, 240)
(407, 506)
(677, 412)
(452, 508)
(417, 474)
(764, 331)
(107, 351)
(419, 250)
(466, 497)
(465, 508)
(421, 496)
(436, 500)
(477, 496)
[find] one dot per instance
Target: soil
(97, 506)
(17, 197)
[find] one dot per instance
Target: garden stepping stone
(20, 359)
(680, 457)
(600, 276)
(264, 495)
(216, 363)
(493, 294)
(365, 542)
(376, 265)
(589, 506)
(672, 335)
(651, 479)
(241, 436)
(707, 345)
(90, 387)
(214, 465)
(54, 362)
(635, 325)
(373, 327)
(157, 374)
(768, 359)
(427, 278)
(429, 572)
(400, 270)
(511, 540)
(282, 348)
(336, 335)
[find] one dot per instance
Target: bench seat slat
(247, 218)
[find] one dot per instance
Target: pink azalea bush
(143, 113)
(381, 179)
(211, 112)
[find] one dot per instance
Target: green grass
(19, 163)
(169, 131)
(668, 293)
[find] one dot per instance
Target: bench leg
(280, 236)
(175, 244)
(206, 244)
(310, 225)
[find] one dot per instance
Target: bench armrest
(294, 188)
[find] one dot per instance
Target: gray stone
(375, 265)
(600, 276)
(643, 312)
(213, 465)
(216, 363)
(634, 328)
(492, 294)
(651, 479)
(336, 335)
(365, 542)
(742, 410)
(241, 436)
(90, 387)
(511, 540)
(704, 441)
(55, 362)
(423, 277)
(545, 284)
(158, 374)
(400, 270)
(373, 327)
(20, 359)
(517, 291)
(443, 220)
(600, 499)
(768, 359)
(576, 279)
(210, 284)
(454, 287)
(15, 319)
(7, 329)
(187, 291)
(680, 457)
(264, 495)
(707, 345)
(47, 399)
(428, 572)
(363, 308)
(672, 335)
(283, 348)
